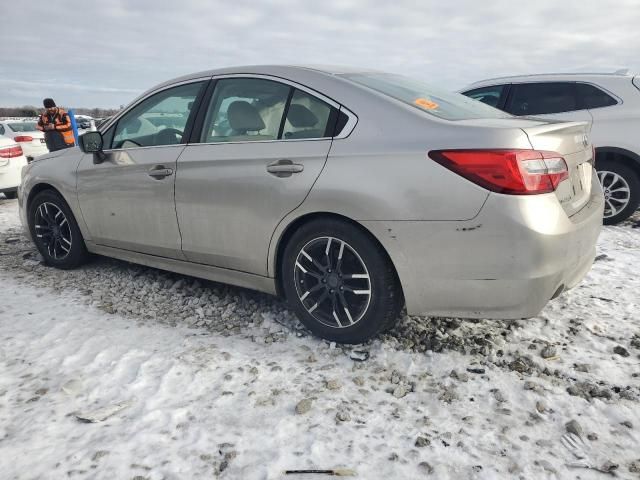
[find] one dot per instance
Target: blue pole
(74, 125)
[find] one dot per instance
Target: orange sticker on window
(426, 104)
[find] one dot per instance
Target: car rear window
(22, 126)
(429, 99)
(590, 96)
(543, 98)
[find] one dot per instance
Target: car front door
(260, 146)
(127, 200)
(547, 100)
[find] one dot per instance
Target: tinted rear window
(22, 126)
(489, 95)
(542, 98)
(429, 99)
(590, 96)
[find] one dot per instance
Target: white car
(12, 160)
(25, 133)
(609, 102)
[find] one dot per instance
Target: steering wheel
(168, 136)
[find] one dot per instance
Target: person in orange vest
(56, 125)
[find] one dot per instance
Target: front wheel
(339, 281)
(621, 188)
(55, 231)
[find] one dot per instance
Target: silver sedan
(350, 193)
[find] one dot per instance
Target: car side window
(245, 110)
(1, 130)
(590, 96)
(307, 117)
(489, 95)
(158, 120)
(542, 98)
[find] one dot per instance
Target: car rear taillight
(23, 138)
(514, 172)
(10, 152)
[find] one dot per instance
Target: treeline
(31, 111)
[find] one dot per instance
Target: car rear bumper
(10, 173)
(508, 262)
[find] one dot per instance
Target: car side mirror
(91, 142)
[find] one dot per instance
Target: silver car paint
(429, 220)
(228, 206)
(124, 207)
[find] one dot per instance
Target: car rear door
(547, 100)
(127, 200)
(259, 146)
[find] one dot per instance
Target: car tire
(339, 281)
(55, 231)
(615, 178)
(11, 195)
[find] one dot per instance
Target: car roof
(285, 71)
(593, 77)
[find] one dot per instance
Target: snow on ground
(220, 382)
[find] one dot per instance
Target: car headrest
(243, 117)
(301, 117)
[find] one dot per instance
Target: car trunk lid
(571, 140)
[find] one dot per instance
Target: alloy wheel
(617, 193)
(332, 282)
(53, 230)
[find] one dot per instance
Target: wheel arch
(41, 187)
(296, 223)
(618, 154)
(73, 206)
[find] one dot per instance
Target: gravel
(304, 406)
(474, 353)
(548, 351)
(619, 350)
(343, 416)
(152, 295)
(574, 427)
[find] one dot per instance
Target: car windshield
(22, 126)
(429, 99)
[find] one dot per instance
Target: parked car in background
(101, 121)
(610, 102)
(12, 160)
(24, 133)
(83, 121)
(348, 192)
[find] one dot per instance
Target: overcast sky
(103, 53)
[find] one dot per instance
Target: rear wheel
(55, 231)
(621, 188)
(340, 283)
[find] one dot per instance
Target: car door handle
(284, 168)
(160, 171)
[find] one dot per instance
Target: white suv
(610, 102)
(12, 160)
